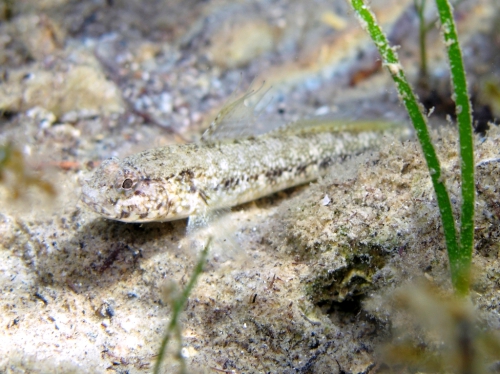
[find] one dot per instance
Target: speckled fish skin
(179, 181)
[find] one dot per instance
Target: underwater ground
(329, 277)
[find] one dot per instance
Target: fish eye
(127, 184)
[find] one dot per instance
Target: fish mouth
(115, 210)
(90, 202)
(96, 197)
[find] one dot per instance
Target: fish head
(120, 192)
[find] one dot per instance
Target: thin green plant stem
(391, 61)
(422, 30)
(177, 307)
(460, 260)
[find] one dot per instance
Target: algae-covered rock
(40, 35)
(66, 87)
(382, 224)
(243, 41)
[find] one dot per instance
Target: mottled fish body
(190, 180)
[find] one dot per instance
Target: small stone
(325, 201)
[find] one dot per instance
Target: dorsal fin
(238, 116)
(324, 124)
(238, 119)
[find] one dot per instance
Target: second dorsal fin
(325, 124)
